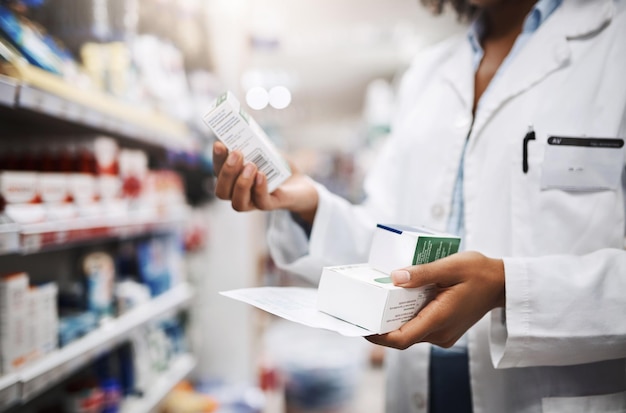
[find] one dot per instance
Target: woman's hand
(246, 188)
(469, 285)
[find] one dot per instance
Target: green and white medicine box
(398, 246)
(367, 298)
(238, 131)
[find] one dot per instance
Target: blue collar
(537, 16)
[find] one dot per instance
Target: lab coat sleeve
(340, 234)
(561, 310)
(342, 231)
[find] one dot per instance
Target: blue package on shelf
(152, 257)
(74, 326)
(29, 42)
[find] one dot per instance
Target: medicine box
(238, 131)
(399, 246)
(13, 321)
(366, 297)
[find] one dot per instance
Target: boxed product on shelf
(109, 184)
(48, 317)
(399, 246)
(13, 317)
(99, 272)
(160, 263)
(130, 294)
(9, 232)
(164, 192)
(28, 320)
(75, 325)
(54, 190)
(238, 131)
(20, 192)
(31, 325)
(30, 42)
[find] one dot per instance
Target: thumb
(437, 272)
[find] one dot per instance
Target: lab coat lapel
(458, 72)
(546, 52)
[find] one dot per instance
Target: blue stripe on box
(388, 228)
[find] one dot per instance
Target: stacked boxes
(364, 295)
(398, 246)
(28, 321)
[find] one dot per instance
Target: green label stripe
(384, 280)
(221, 99)
(244, 115)
(429, 249)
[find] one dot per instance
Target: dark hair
(464, 10)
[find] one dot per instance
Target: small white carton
(13, 320)
(399, 246)
(238, 131)
(47, 322)
(366, 297)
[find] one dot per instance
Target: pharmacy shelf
(45, 236)
(9, 236)
(30, 90)
(9, 391)
(8, 91)
(179, 368)
(51, 369)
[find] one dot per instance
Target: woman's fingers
(220, 152)
(242, 190)
(228, 174)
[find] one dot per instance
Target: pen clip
(530, 136)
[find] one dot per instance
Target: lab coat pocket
(582, 164)
(605, 403)
(557, 214)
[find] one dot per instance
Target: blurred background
(113, 248)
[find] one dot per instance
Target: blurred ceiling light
(252, 78)
(257, 98)
(279, 97)
(230, 7)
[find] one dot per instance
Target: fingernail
(400, 276)
(219, 150)
(232, 159)
(248, 170)
(259, 178)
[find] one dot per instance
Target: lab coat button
(419, 400)
(437, 211)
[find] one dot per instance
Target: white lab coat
(560, 343)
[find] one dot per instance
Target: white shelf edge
(8, 91)
(41, 101)
(86, 223)
(52, 368)
(9, 391)
(179, 368)
(26, 238)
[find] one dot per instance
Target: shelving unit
(34, 101)
(23, 386)
(178, 370)
(8, 91)
(47, 235)
(9, 390)
(32, 92)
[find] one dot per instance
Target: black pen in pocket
(530, 136)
